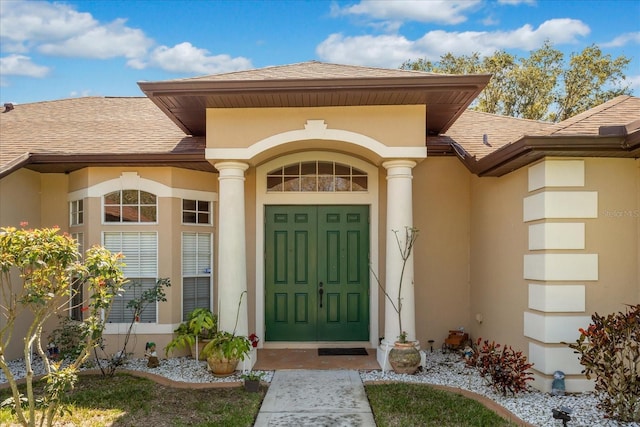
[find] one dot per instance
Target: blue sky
(56, 50)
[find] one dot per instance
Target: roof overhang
(530, 149)
(67, 163)
(446, 96)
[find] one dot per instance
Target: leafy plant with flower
(38, 270)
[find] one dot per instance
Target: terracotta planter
(404, 358)
(222, 367)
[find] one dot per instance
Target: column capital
(392, 164)
(220, 166)
(231, 170)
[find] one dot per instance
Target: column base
(248, 362)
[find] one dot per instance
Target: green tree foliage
(609, 349)
(541, 86)
(37, 270)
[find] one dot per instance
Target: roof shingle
(91, 125)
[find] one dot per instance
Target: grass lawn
(126, 400)
(406, 405)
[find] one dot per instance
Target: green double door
(317, 273)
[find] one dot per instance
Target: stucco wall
(498, 242)
(441, 202)
(395, 125)
(19, 202)
(20, 199)
(614, 235)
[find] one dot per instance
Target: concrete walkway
(300, 397)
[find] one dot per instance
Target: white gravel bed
(440, 368)
(533, 406)
(180, 369)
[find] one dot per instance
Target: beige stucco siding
(393, 126)
(498, 241)
(441, 199)
(614, 235)
(20, 201)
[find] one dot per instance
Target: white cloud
(57, 29)
(20, 65)
(80, 94)
(385, 50)
(102, 42)
(634, 83)
(623, 39)
(27, 23)
(380, 51)
(186, 58)
(440, 11)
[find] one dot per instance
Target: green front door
(317, 273)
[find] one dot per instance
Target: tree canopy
(542, 86)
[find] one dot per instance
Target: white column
(399, 216)
(232, 271)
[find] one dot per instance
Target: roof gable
(315, 84)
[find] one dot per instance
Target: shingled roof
(611, 129)
(316, 84)
(311, 70)
(73, 133)
(69, 134)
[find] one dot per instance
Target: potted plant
(224, 352)
(404, 357)
(252, 380)
(226, 349)
(200, 327)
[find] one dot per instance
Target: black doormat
(357, 351)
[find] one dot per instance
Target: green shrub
(67, 338)
(505, 369)
(610, 350)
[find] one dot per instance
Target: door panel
(290, 273)
(316, 273)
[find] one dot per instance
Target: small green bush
(610, 350)
(67, 338)
(505, 369)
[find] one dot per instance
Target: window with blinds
(196, 272)
(77, 286)
(140, 250)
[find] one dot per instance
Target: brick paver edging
(488, 403)
(153, 377)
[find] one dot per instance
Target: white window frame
(73, 301)
(200, 265)
(76, 212)
(196, 211)
(139, 265)
(139, 205)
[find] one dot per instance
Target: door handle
(320, 291)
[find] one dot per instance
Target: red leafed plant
(610, 350)
(501, 366)
(254, 340)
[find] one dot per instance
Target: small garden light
(562, 414)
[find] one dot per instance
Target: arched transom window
(130, 206)
(320, 176)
